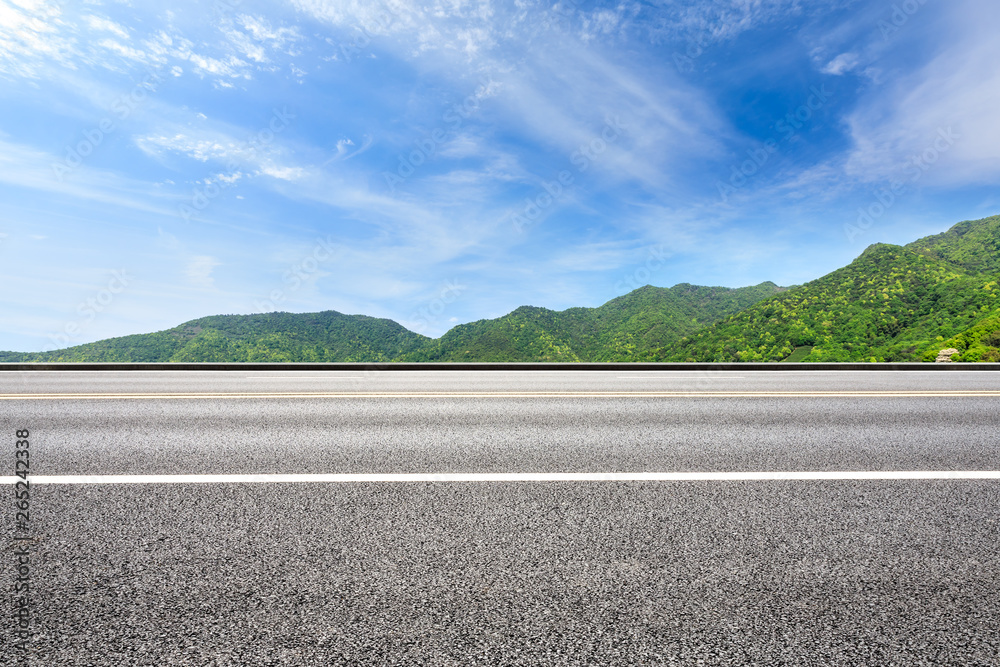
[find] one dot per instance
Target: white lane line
(678, 377)
(304, 377)
(513, 477)
(508, 394)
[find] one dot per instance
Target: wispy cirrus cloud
(36, 35)
(956, 92)
(98, 23)
(483, 105)
(31, 35)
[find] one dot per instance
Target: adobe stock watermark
(120, 109)
(429, 314)
(297, 274)
(358, 47)
(642, 274)
(427, 146)
(695, 49)
(223, 7)
(551, 191)
(89, 309)
(211, 188)
(900, 16)
(886, 197)
(787, 128)
(566, 9)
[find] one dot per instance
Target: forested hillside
(893, 303)
(973, 245)
(624, 329)
(319, 337)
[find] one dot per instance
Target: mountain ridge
(333, 336)
(891, 303)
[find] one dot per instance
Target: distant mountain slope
(627, 328)
(636, 324)
(973, 245)
(324, 336)
(890, 304)
(893, 303)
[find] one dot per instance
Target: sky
(446, 161)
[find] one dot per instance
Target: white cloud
(592, 257)
(30, 35)
(201, 149)
(27, 167)
(573, 96)
(257, 38)
(229, 67)
(845, 62)
(467, 27)
(167, 240)
(346, 149)
(282, 173)
(98, 23)
(543, 79)
(126, 52)
(247, 47)
(706, 22)
(262, 31)
(199, 270)
(957, 93)
(601, 22)
(253, 159)
(462, 146)
(36, 35)
(228, 179)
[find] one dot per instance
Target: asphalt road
(714, 572)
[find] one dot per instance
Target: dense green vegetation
(624, 329)
(978, 343)
(892, 303)
(973, 245)
(628, 327)
(798, 354)
(325, 336)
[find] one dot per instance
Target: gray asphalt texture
(541, 573)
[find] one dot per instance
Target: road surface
(286, 518)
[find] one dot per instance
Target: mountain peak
(973, 245)
(892, 303)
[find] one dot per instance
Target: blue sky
(446, 161)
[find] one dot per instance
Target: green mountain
(325, 336)
(624, 329)
(974, 245)
(892, 303)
